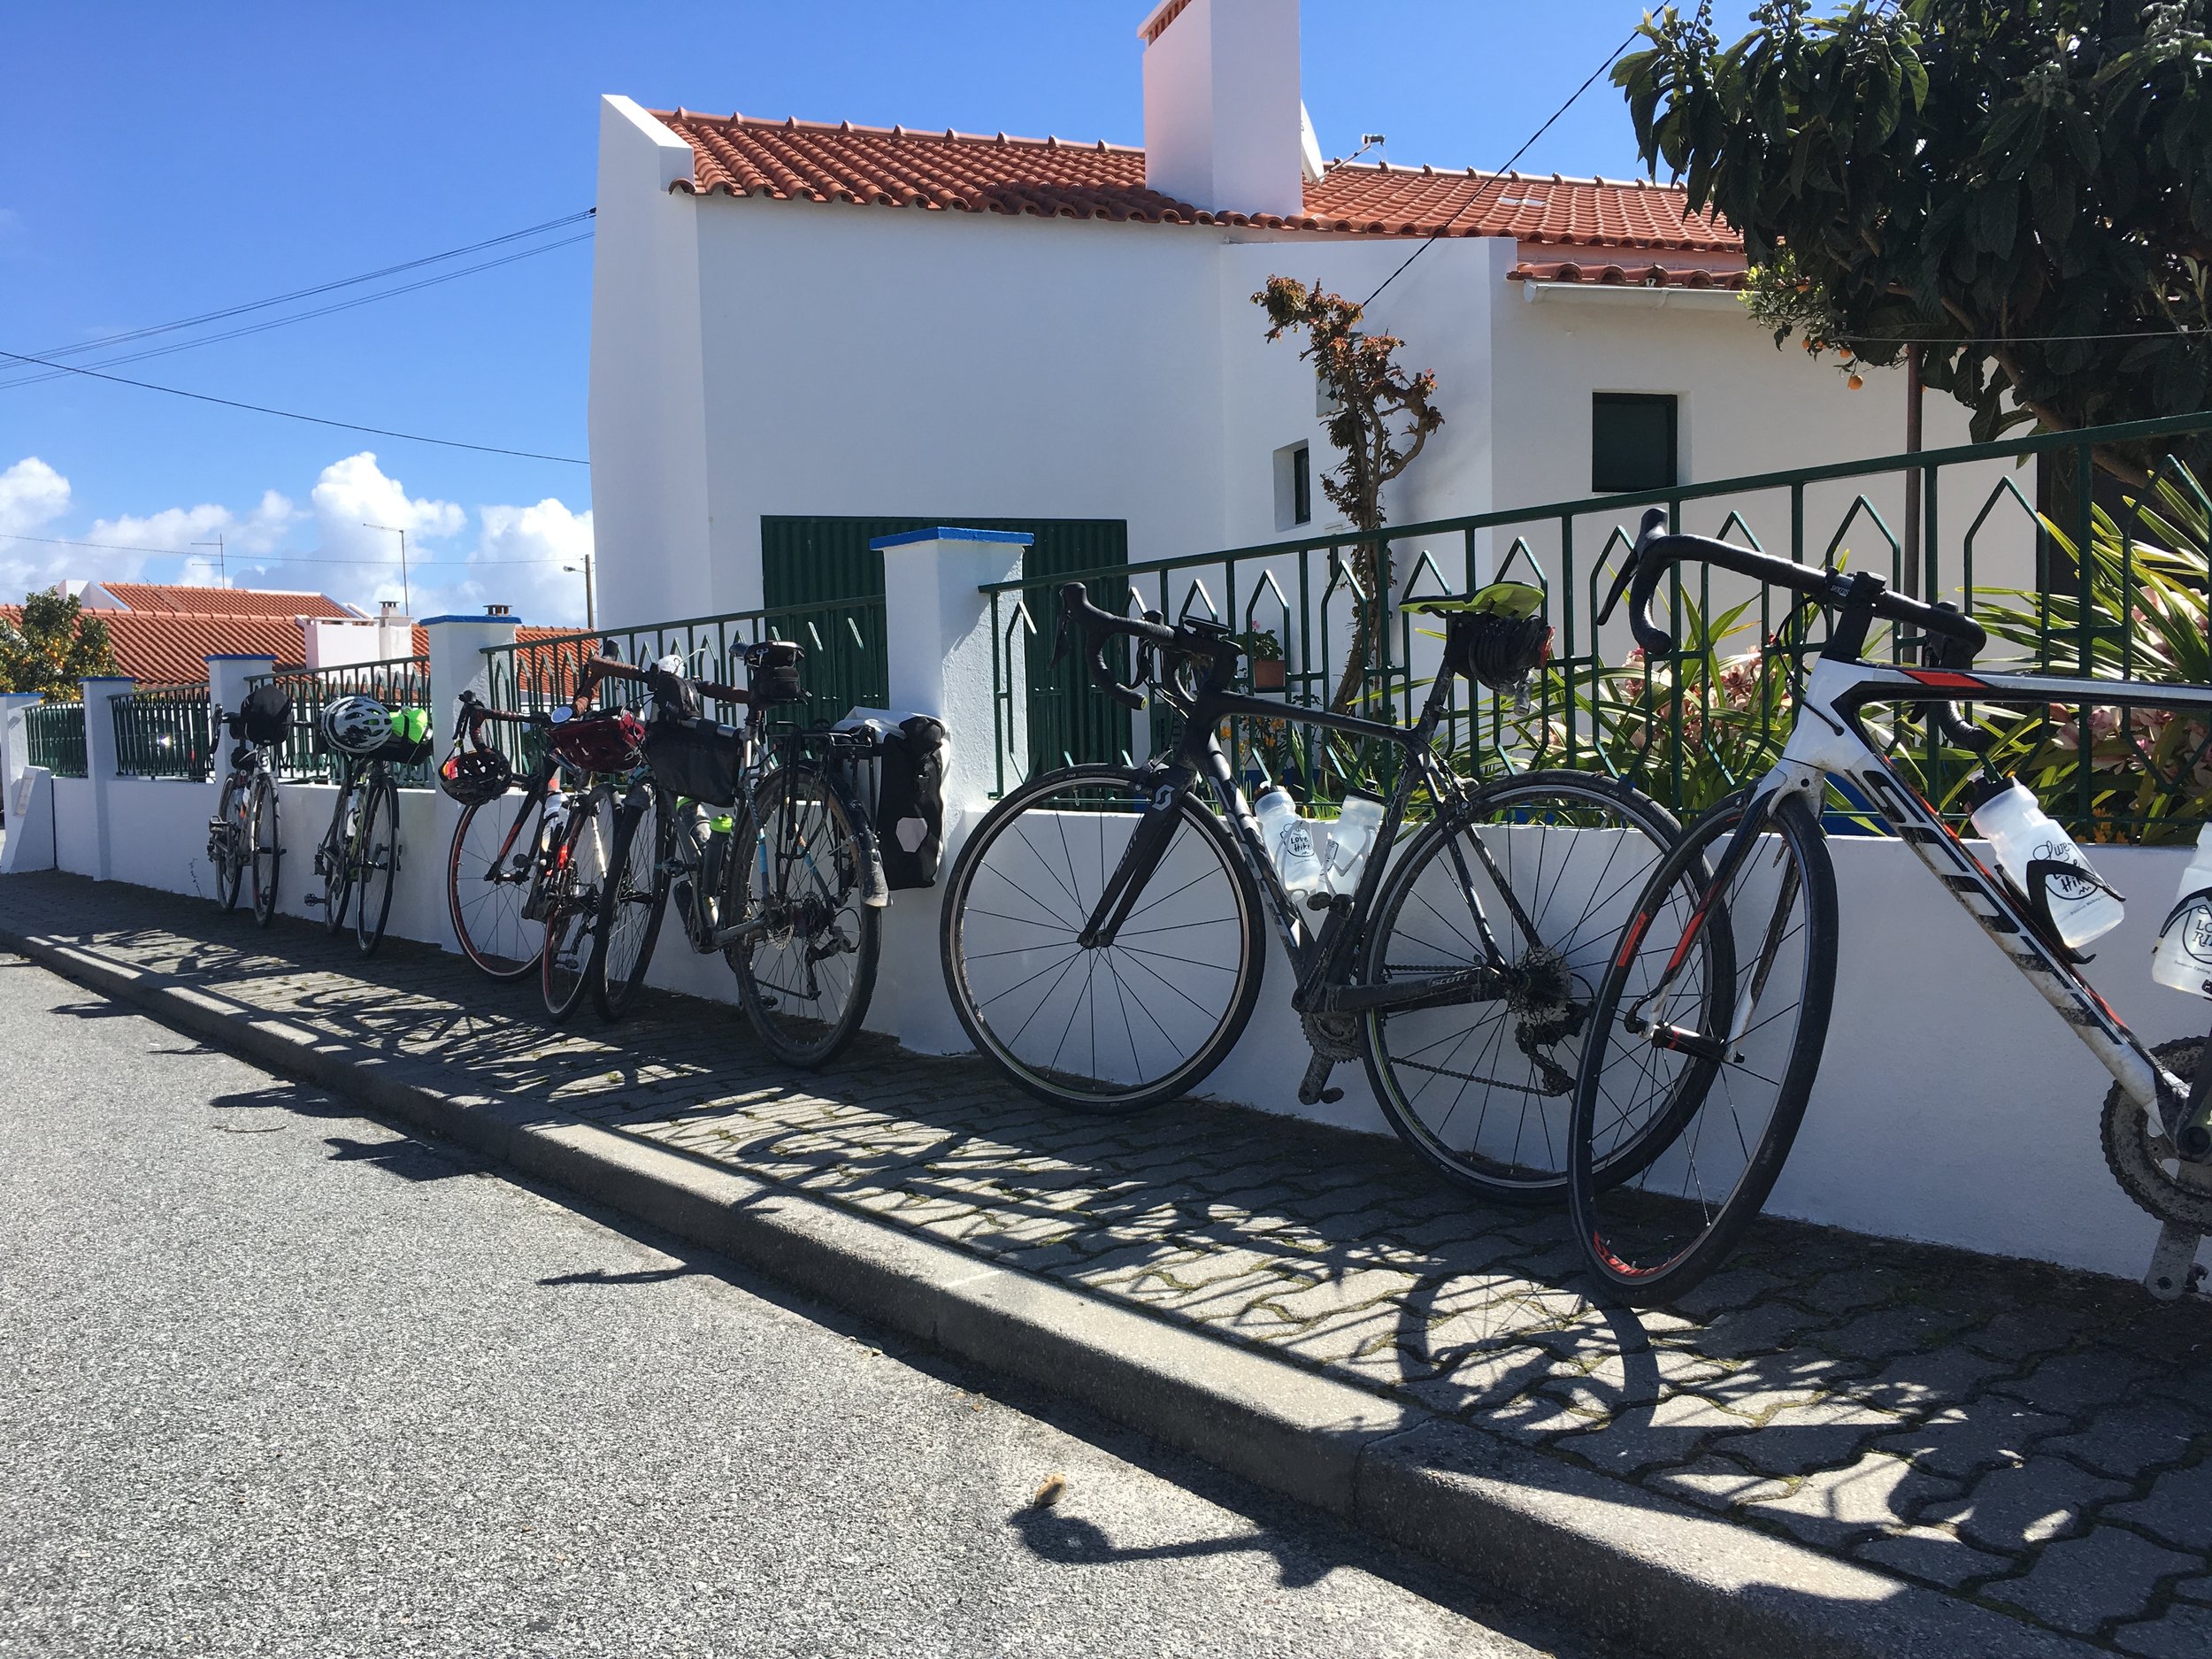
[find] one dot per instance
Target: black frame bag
(264, 717)
(911, 802)
(696, 759)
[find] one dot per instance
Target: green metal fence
(55, 734)
(844, 666)
(402, 682)
(164, 732)
(1989, 526)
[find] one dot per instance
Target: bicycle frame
(1321, 957)
(1829, 740)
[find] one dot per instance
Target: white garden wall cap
(946, 533)
(792, 160)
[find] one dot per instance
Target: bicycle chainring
(1333, 1036)
(2142, 1158)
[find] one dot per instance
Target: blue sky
(166, 161)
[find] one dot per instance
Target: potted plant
(1264, 654)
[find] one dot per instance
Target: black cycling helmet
(473, 776)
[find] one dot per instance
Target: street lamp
(406, 601)
(591, 618)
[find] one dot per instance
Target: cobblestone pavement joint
(2033, 1441)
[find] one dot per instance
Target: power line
(1499, 176)
(321, 287)
(300, 317)
(264, 559)
(288, 414)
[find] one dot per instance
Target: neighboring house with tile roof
(178, 600)
(823, 323)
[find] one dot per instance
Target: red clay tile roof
(1046, 178)
(162, 648)
(1628, 276)
(223, 602)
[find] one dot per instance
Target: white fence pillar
(99, 765)
(25, 789)
(457, 646)
(939, 652)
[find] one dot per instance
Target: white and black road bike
(1105, 927)
(1708, 1030)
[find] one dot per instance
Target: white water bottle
(2082, 907)
(1290, 842)
(2184, 957)
(1351, 837)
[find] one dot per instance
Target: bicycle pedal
(313, 899)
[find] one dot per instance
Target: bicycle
(1102, 928)
(242, 834)
(358, 858)
(496, 866)
(1731, 1057)
(765, 851)
(580, 828)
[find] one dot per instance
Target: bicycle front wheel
(335, 857)
(261, 829)
(229, 843)
(375, 863)
(572, 905)
(1519, 895)
(1663, 1178)
(631, 904)
(487, 894)
(806, 966)
(1101, 1027)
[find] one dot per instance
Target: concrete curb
(1609, 1557)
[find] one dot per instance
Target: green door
(806, 561)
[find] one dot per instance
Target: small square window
(1324, 403)
(1632, 441)
(1294, 487)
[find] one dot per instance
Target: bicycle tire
(1665, 1214)
(375, 863)
(1107, 797)
(799, 837)
(623, 956)
(486, 909)
(572, 914)
(1517, 1053)
(230, 869)
(337, 860)
(267, 847)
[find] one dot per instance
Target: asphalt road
(277, 1380)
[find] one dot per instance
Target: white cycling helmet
(356, 725)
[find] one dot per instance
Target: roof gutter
(1637, 296)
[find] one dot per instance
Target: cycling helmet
(473, 776)
(356, 725)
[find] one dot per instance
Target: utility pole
(222, 562)
(591, 616)
(406, 601)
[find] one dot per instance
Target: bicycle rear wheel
(375, 863)
(486, 896)
(632, 903)
(794, 872)
(261, 829)
(1663, 1178)
(1535, 877)
(1101, 1028)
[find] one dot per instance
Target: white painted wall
(76, 828)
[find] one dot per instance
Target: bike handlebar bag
(911, 802)
(601, 742)
(698, 759)
(413, 741)
(772, 669)
(265, 717)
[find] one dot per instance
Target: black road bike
(357, 859)
(1709, 1025)
(241, 837)
(495, 867)
(1103, 930)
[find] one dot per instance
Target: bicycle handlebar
(1655, 553)
(598, 668)
(1209, 642)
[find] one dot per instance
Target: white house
(802, 329)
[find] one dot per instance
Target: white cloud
(32, 496)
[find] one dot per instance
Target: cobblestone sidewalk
(2037, 1441)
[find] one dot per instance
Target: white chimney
(1222, 120)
